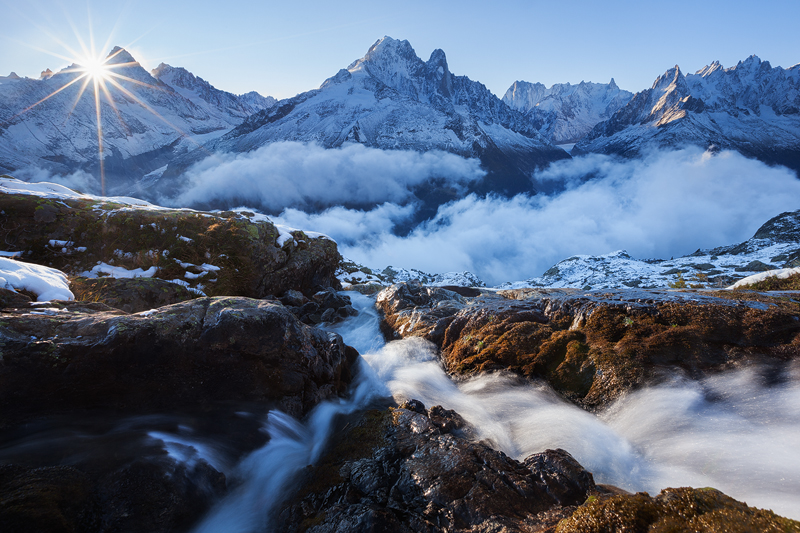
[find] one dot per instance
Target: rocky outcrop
(192, 355)
(682, 509)
(592, 346)
(132, 295)
(412, 469)
(217, 254)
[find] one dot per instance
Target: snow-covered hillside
(752, 108)
(565, 113)
(775, 245)
(392, 99)
(47, 127)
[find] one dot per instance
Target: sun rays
(107, 81)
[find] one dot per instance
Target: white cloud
(79, 180)
(667, 204)
(292, 174)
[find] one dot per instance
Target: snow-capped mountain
(225, 105)
(752, 108)
(48, 125)
(392, 99)
(565, 113)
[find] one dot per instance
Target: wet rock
(74, 355)
(132, 295)
(293, 298)
(325, 306)
(682, 509)
(403, 470)
(592, 346)
(54, 499)
(409, 308)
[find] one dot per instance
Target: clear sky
(284, 48)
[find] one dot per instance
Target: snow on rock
(774, 246)
(104, 269)
(782, 273)
(459, 279)
(47, 283)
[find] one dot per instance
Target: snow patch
(47, 283)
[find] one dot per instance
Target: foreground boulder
(413, 470)
(592, 346)
(219, 254)
(191, 355)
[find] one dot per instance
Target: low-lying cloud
(293, 174)
(79, 180)
(667, 204)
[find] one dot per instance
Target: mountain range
(752, 108)
(164, 121)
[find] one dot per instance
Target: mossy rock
(131, 295)
(674, 510)
(217, 253)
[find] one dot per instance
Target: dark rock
(53, 499)
(9, 298)
(188, 355)
(755, 266)
(398, 471)
(469, 292)
(132, 295)
(293, 298)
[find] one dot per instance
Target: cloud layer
(292, 174)
(667, 204)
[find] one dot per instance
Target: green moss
(674, 510)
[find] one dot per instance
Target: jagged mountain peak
(669, 80)
(708, 69)
(565, 112)
(119, 56)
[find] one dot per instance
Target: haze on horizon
(281, 50)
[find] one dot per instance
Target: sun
(95, 69)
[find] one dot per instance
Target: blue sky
(283, 48)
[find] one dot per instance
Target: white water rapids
(731, 432)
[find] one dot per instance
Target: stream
(731, 431)
(738, 432)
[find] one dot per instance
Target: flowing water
(737, 432)
(734, 432)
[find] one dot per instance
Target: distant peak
(753, 60)
(612, 84)
(46, 74)
(118, 56)
(13, 76)
(708, 69)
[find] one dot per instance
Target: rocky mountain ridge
(392, 99)
(752, 108)
(565, 113)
